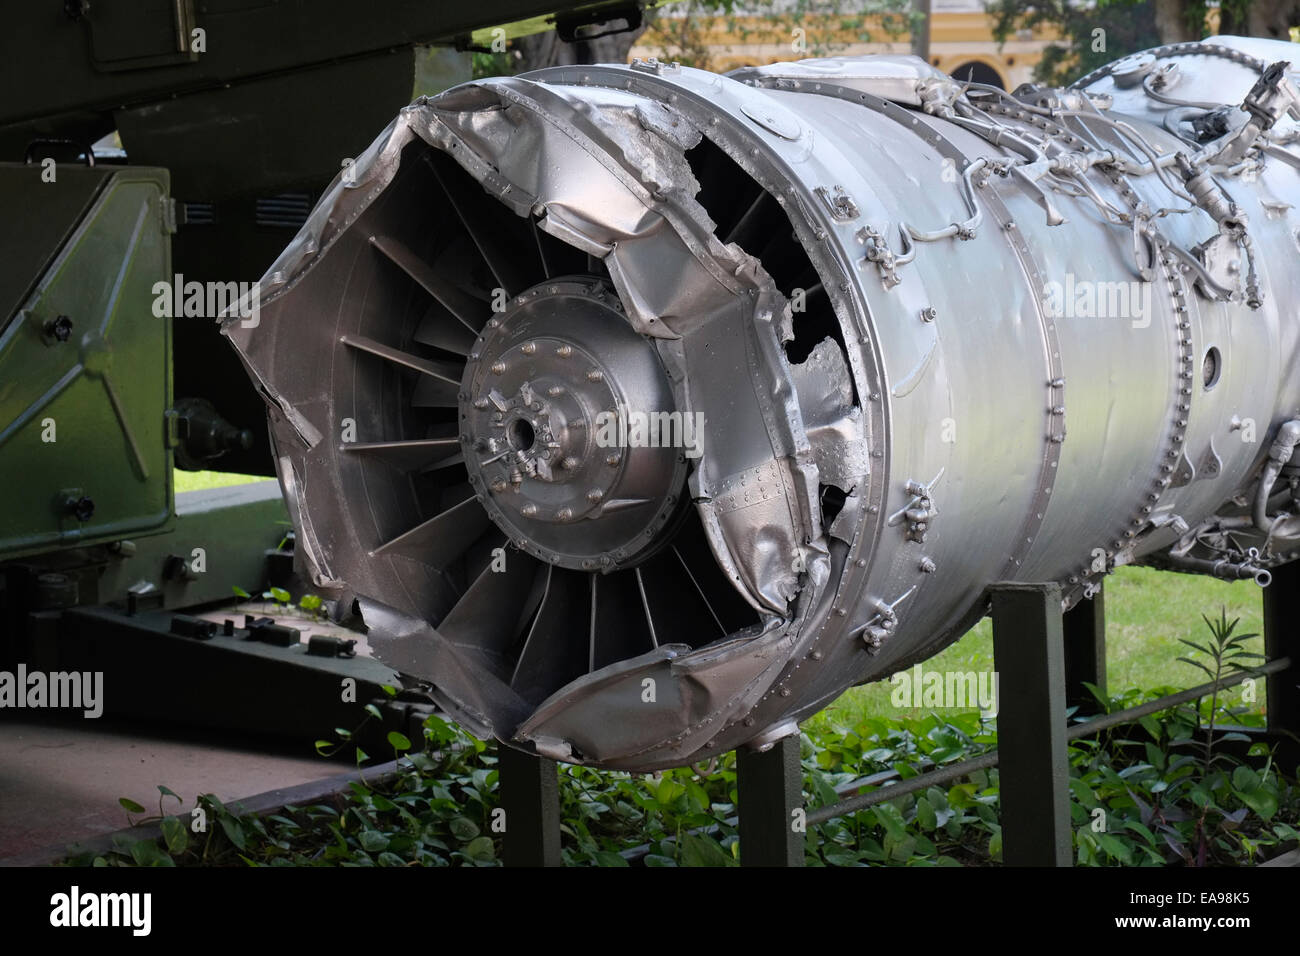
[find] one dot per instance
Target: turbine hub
(570, 431)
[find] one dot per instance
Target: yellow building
(961, 41)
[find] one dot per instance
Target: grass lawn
(197, 480)
(1146, 612)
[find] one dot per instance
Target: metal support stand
(771, 805)
(1282, 639)
(1028, 653)
(530, 796)
(1085, 653)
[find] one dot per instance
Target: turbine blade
(440, 329)
(464, 307)
(407, 455)
(493, 613)
(480, 222)
(554, 653)
(442, 371)
(442, 539)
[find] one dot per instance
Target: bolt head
(498, 368)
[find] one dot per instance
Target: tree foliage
(1090, 35)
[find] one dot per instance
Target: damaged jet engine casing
(866, 283)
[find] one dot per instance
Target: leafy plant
(1166, 790)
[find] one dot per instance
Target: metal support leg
(1282, 639)
(1034, 765)
(1085, 653)
(771, 805)
(530, 795)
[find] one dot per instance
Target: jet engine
(643, 410)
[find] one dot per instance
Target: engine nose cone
(569, 428)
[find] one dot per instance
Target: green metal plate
(83, 418)
(38, 216)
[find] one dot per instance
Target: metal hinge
(168, 211)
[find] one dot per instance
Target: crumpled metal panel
(867, 283)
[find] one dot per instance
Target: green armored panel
(85, 366)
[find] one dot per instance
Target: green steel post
(1085, 652)
(1033, 761)
(1282, 639)
(771, 805)
(530, 796)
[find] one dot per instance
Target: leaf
(900, 850)
(281, 595)
(668, 791)
(1245, 779)
(481, 849)
(891, 820)
(310, 602)
(175, 834)
(1116, 847)
(147, 853)
(1144, 808)
(1263, 801)
(1151, 726)
(1140, 829)
(826, 794)
(399, 742)
(372, 841)
(130, 805)
(1188, 660)
(1155, 756)
(234, 831)
(1099, 696)
(322, 746)
(837, 855)
(1082, 792)
(609, 858)
(463, 828)
(1200, 647)
(700, 850)
(925, 814)
(1233, 820)
(240, 592)
(1177, 846)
